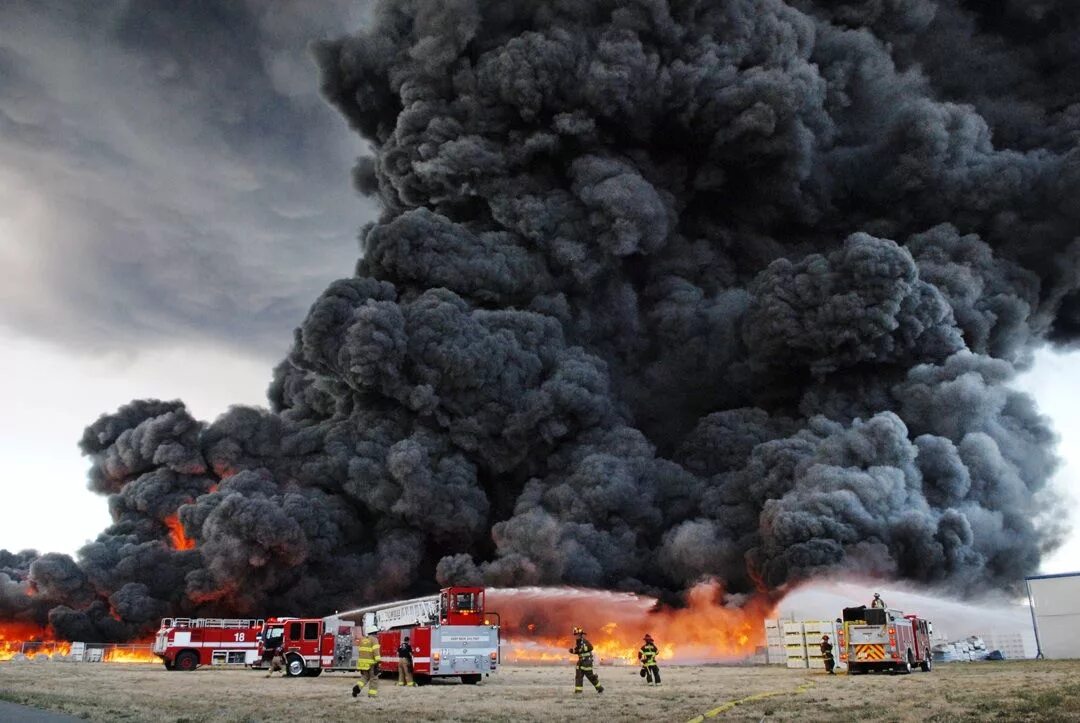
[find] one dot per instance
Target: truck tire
(294, 665)
(187, 660)
(855, 669)
(471, 679)
(927, 665)
(906, 666)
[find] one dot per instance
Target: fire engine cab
(884, 639)
(187, 643)
(450, 633)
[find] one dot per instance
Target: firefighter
(367, 662)
(277, 661)
(647, 657)
(826, 652)
(404, 665)
(583, 649)
(877, 602)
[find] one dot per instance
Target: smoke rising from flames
(662, 291)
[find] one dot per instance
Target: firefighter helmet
(648, 638)
(578, 631)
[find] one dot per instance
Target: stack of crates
(795, 644)
(813, 630)
(774, 643)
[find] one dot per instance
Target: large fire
(537, 624)
(177, 538)
(30, 640)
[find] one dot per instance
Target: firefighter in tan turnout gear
(583, 649)
(647, 657)
(404, 664)
(367, 662)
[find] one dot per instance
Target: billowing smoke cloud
(662, 290)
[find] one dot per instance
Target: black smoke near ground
(661, 290)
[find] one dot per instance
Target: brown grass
(1033, 691)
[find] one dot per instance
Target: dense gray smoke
(662, 290)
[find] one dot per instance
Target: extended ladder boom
(404, 613)
(210, 623)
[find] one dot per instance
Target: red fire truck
(880, 639)
(451, 635)
(187, 643)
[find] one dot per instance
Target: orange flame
(130, 654)
(177, 538)
(17, 638)
(29, 639)
(537, 624)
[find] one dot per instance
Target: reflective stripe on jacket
(583, 649)
(647, 654)
(367, 653)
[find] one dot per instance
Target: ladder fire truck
(187, 643)
(451, 635)
(884, 639)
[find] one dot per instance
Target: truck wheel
(472, 679)
(855, 669)
(927, 665)
(186, 660)
(294, 666)
(906, 666)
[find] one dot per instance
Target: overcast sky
(173, 196)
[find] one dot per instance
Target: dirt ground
(1036, 691)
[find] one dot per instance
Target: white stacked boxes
(774, 643)
(794, 644)
(813, 630)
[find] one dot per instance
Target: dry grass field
(1034, 691)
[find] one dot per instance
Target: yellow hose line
(750, 699)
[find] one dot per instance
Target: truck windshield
(273, 636)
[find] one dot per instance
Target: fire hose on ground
(723, 708)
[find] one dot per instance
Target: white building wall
(1055, 600)
(1015, 645)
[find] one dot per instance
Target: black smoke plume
(661, 290)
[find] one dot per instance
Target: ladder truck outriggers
(451, 635)
(881, 639)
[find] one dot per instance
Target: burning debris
(662, 291)
(536, 624)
